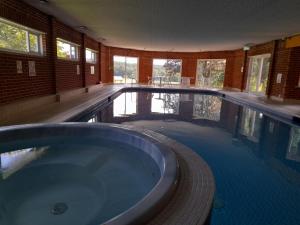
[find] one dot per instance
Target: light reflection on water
(12, 161)
(255, 158)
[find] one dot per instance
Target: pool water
(255, 158)
(78, 181)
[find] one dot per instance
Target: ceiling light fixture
(247, 47)
(82, 27)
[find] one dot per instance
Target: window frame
(93, 52)
(72, 44)
(29, 31)
(181, 65)
(125, 63)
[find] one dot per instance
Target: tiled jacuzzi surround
(184, 193)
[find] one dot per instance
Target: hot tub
(85, 174)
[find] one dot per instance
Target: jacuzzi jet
(59, 208)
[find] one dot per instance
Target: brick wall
(56, 75)
(52, 75)
(91, 79)
(292, 90)
(66, 70)
(15, 86)
(189, 61)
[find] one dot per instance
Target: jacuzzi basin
(77, 173)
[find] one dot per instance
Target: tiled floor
(60, 111)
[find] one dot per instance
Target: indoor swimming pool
(255, 158)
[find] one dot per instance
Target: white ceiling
(179, 25)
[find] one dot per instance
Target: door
(258, 74)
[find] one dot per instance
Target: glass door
(258, 74)
(125, 70)
(210, 73)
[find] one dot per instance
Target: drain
(59, 208)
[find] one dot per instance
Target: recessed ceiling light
(82, 27)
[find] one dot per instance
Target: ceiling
(179, 25)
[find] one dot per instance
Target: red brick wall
(52, 75)
(15, 86)
(55, 75)
(189, 61)
(292, 90)
(66, 70)
(280, 65)
(234, 73)
(91, 79)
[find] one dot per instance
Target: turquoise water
(255, 158)
(71, 181)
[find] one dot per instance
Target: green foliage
(61, 52)
(126, 71)
(171, 70)
(211, 73)
(12, 37)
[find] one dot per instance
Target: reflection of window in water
(125, 104)
(92, 120)
(294, 145)
(14, 160)
(166, 103)
(207, 107)
(251, 124)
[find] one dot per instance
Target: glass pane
(34, 43)
(254, 74)
(13, 38)
(119, 69)
(258, 74)
(210, 73)
(63, 50)
(131, 70)
(73, 52)
(88, 55)
(167, 71)
(264, 76)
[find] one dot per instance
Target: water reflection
(252, 155)
(207, 107)
(165, 103)
(251, 124)
(11, 162)
(293, 152)
(125, 104)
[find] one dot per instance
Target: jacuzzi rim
(158, 196)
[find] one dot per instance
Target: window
(66, 49)
(125, 69)
(258, 73)
(90, 56)
(210, 73)
(18, 38)
(167, 71)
